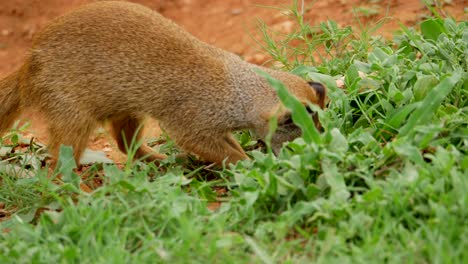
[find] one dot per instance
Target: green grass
(386, 181)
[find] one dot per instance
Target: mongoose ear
(320, 91)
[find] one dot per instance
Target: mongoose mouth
(287, 130)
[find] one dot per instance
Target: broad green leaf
(339, 193)
(66, 164)
(352, 74)
(430, 104)
(432, 28)
(127, 185)
(398, 116)
(323, 78)
(258, 251)
(378, 56)
(26, 217)
(338, 142)
(403, 148)
(303, 70)
(373, 195)
(250, 197)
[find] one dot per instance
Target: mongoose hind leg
(129, 129)
(216, 149)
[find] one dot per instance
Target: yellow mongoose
(120, 61)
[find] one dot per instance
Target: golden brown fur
(120, 61)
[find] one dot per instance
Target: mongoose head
(307, 93)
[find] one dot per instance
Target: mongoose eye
(287, 120)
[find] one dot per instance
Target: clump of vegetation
(385, 182)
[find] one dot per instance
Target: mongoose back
(120, 61)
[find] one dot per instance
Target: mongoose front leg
(129, 129)
(70, 130)
(216, 149)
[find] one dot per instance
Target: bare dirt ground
(226, 24)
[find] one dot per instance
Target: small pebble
(6, 32)
(236, 11)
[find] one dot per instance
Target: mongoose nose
(276, 150)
